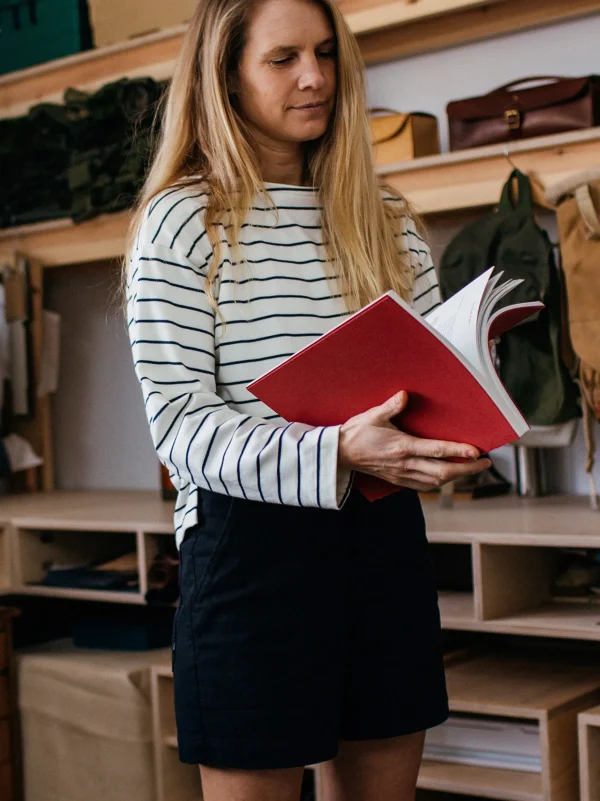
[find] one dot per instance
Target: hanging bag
(577, 201)
(530, 360)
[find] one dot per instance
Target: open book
(442, 360)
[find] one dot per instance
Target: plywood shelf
(388, 29)
(512, 785)
(434, 184)
(90, 510)
(474, 178)
(105, 596)
(589, 754)
(556, 520)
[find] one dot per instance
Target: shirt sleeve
(426, 291)
(196, 435)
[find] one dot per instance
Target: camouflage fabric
(85, 157)
(530, 355)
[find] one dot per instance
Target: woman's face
(286, 82)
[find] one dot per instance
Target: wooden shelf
(105, 596)
(469, 179)
(512, 785)
(457, 610)
(520, 684)
(450, 182)
(589, 754)
(90, 510)
(386, 30)
(556, 520)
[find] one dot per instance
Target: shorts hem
(409, 727)
(230, 754)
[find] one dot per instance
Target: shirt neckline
(291, 189)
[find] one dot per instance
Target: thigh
(363, 770)
(395, 683)
(259, 636)
(251, 785)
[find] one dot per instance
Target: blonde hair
(203, 137)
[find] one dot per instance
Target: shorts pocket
(200, 549)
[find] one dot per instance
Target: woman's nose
(311, 76)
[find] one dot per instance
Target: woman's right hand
(371, 443)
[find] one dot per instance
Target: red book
(441, 360)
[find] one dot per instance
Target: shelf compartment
(37, 549)
(589, 754)
(516, 595)
(525, 685)
(175, 781)
(512, 785)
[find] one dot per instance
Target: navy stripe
(272, 316)
(222, 344)
(278, 297)
(174, 206)
(259, 359)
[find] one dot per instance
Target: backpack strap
(588, 212)
(589, 422)
(524, 201)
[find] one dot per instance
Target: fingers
(439, 449)
(392, 407)
(437, 473)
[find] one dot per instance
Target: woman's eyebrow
(281, 49)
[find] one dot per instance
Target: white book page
(457, 320)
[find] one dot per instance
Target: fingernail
(472, 454)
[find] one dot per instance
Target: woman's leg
(364, 770)
(228, 784)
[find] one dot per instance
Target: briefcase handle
(403, 124)
(514, 84)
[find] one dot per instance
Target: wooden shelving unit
(386, 30)
(526, 688)
(589, 754)
(512, 545)
(74, 527)
(450, 182)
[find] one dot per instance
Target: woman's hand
(370, 443)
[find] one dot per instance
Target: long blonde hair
(203, 137)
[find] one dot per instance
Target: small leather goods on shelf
(512, 112)
(401, 137)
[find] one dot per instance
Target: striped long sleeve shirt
(207, 428)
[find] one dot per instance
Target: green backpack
(529, 356)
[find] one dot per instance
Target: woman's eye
(327, 54)
(278, 62)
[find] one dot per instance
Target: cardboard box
(86, 723)
(116, 20)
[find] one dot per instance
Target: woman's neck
(281, 162)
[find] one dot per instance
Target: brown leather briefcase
(510, 113)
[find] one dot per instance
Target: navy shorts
(298, 627)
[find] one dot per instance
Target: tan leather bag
(510, 112)
(401, 137)
(577, 201)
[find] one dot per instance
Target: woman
(308, 628)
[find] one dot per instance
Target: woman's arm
(196, 435)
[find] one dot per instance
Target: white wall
(100, 430)
(101, 436)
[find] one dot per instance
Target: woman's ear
(232, 83)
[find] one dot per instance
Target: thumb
(391, 407)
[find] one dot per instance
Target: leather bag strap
(514, 84)
(588, 212)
